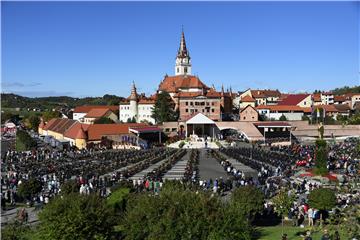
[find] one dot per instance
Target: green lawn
(275, 233)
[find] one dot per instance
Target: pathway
(144, 172)
(209, 167)
(178, 170)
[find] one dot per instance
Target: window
(191, 103)
(185, 69)
(212, 110)
(186, 103)
(212, 104)
(196, 110)
(177, 69)
(186, 110)
(244, 118)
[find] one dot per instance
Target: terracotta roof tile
(97, 112)
(96, 131)
(173, 83)
(247, 98)
(293, 99)
(265, 93)
(86, 109)
(77, 131)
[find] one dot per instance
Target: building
(301, 100)
(137, 108)
(190, 94)
(327, 98)
(245, 101)
(352, 99)
(249, 114)
(97, 113)
(262, 97)
(80, 111)
(80, 135)
(274, 112)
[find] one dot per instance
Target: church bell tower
(183, 60)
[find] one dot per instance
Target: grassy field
(294, 233)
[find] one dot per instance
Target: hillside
(346, 89)
(15, 101)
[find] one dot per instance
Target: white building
(138, 108)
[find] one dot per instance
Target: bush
(29, 188)
(76, 216)
(180, 213)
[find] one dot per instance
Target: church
(190, 95)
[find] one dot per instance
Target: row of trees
(177, 213)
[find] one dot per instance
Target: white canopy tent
(201, 119)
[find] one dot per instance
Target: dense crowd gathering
(93, 171)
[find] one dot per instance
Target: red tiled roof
(247, 107)
(327, 108)
(317, 97)
(97, 112)
(50, 123)
(77, 131)
(293, 99)
(265, 93)
(86, 109)
(339, 98)
(173, 83)
(59, 125)
(96, 131)
(247, 98)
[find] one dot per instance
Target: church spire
(183, 52)
(183, 62)
(133, 95)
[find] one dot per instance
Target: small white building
(138, 108)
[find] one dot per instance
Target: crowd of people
(91, 170)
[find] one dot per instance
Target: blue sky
(96, 48)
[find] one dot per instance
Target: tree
(247, 200)
(23, 141)
(282, 118)
(323, 199)
(163, 110)
(34, 122)
(321, 157)
(131, 120)
(76, 216)
(69, 187)
(180, 213)
(103, 120)
(283, 202)
(28, 189)
(50, 115)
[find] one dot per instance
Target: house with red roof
(80, 111)
(274, 112)
(97, 113)
(301, 100)
(80, 134)
(261, 96)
